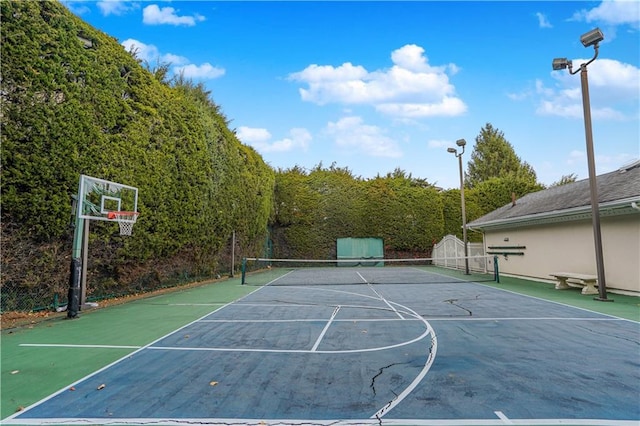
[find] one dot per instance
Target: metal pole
(85, 262)
(464, 219)
(75, 273)
(233, 252)
(595, 211)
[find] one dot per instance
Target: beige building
(551, 230)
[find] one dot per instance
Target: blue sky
(375, 86)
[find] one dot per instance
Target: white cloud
(250, 135)
(351, 133)
(150, 53)
(576, 157)
(520, 96)
(260, 139)
(410, 57)
(115, 7)
(437, 144)
(543, 22)
(410, 88)
(199, 72)
(76, 7)
(172, 59)
(543, 90)
(614, 90)
(612, 12)
(447, 107)
(613, 75)
(154, 15)
(605, 163)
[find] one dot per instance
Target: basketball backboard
(99, 198)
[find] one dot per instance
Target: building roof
(617, 191)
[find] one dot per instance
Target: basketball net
(126, 220)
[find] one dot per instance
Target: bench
(588, 281)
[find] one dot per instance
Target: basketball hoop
(125, 220)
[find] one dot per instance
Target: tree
(494, 157)
(496, 192)
(565, 179)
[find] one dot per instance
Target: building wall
(569, 247)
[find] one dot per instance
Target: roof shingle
(621, 184)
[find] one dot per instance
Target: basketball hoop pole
(73, 303)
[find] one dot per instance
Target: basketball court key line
(324, 330)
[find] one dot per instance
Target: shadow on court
(371, 353)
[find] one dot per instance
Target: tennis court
(399, 345)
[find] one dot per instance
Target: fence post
(496, 271)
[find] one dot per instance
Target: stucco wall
(569, 247)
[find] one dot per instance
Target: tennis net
(301, 272)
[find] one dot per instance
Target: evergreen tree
(565, 179)
(494, 157)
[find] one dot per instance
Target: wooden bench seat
(587, 281)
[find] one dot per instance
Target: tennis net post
(244, 270)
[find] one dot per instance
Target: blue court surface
(396, 351)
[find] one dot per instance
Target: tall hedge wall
(315, 208)
(75, 102)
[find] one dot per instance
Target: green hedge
(69, 109)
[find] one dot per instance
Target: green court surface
(31, 373)
(43, 358)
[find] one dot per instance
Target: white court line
(504, 418)
(56, 345)
(322, 289)
(354, 320)
(428, 330)
(466, 318)
(196, 304)
(433, 349)
(324, 330)
(328, 422)
(276, 279)
(379, 295)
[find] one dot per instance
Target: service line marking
(324, 330)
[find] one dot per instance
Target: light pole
(462, 143)
(592, 38)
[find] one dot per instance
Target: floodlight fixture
(452, 150)
(561, 64)
(592, 38)
(461, 142)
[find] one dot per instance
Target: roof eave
(611, 208)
